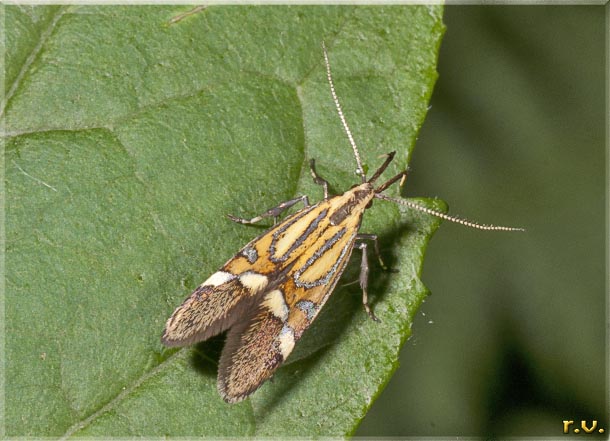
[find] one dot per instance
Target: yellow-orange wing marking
(259, 345)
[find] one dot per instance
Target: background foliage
(512, 339)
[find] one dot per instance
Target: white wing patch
(286, 339)
(253, 281)
(218, 278)
(274, 302)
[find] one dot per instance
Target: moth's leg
(364, 280)
(373, 238)
(272, 212)
(317, 178)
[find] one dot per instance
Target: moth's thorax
(352, 203)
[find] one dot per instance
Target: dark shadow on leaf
(284, 380)
(206, 355)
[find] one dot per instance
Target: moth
(270, 292)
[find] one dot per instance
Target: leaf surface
(127, 142)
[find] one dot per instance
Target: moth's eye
(353, 186)
(369, 205)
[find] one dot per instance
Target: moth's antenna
(457, 220)
(343, 121)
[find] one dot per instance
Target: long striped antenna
(457, 220)
(340, 112)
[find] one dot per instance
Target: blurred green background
(512, 339)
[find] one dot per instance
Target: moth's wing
(223, 299)
(256, 347)
(232, 292)
(209, 310)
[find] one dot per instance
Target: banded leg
(272, 212)
(373, 238)
(317, 178)
(364, 280)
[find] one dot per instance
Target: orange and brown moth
(271, 291)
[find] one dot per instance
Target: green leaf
(128, 140)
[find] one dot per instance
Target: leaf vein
(122, 395)
(30, 59)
